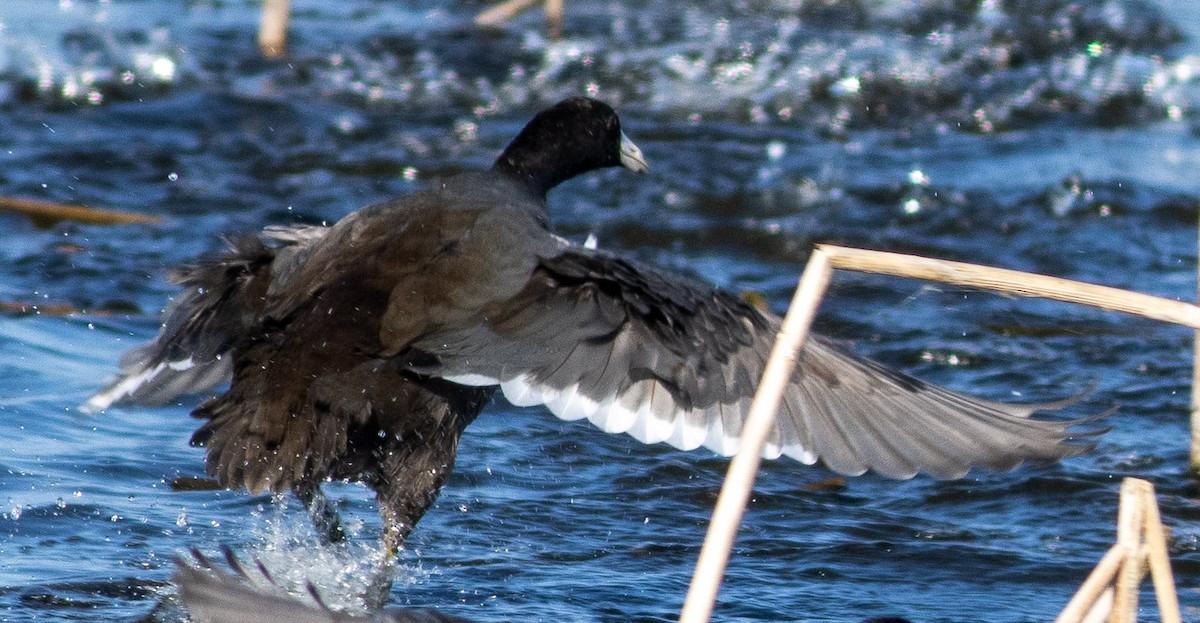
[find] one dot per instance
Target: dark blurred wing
(221, 296)
(663, 358)
(215, 596)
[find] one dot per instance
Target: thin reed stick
(1194, 452)
(739, 480)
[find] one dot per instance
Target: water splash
(352, 576)
(998, 66)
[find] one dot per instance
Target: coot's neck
(540, 168)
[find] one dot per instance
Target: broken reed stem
(1131, 521)
(1015, 282)
(1141, 546)
(1160, 564)
(1102, 610)
(272, 31)
(739, 481)
(1094, 586)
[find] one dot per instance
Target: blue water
(1052, 136)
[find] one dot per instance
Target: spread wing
(221, 296)
(212, 595)
(664, 358)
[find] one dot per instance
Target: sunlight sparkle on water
(846, 86)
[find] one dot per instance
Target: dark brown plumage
(363, 350)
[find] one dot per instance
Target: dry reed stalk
(503, 12)
(739, 480)
(272, 31)
(554, 18)
(1015, 282)
(1194, 416)
(1027, 284)
(45, 213)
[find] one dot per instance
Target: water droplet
(776, 150)
(163, 68)
(172, 177)
(846, 86)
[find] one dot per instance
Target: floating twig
(46, 214)
(38, 309)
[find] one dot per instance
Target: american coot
(364, 349)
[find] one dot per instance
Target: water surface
(1043, 135)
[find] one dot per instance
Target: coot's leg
(408, 481)
(324, 517)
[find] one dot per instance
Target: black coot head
(574, 136)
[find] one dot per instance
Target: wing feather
(220, 294)
(667, 359)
